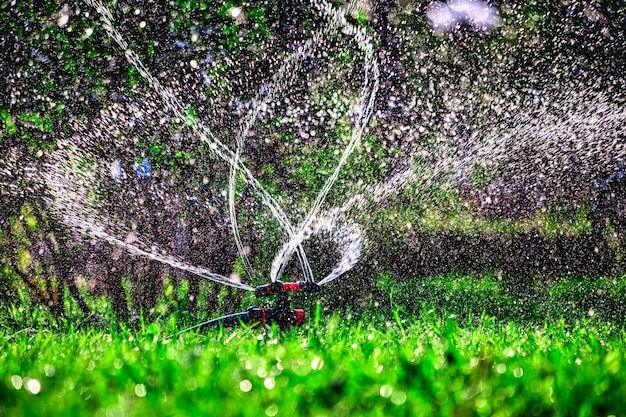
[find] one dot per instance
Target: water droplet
(317, 363)
(398, 397)
(480, 401)
(386, 391)
(245, 385)
(49, 370)
(269, 383)
(16, 381)
(272, 410)
(234, 12)
(140, 390)
(62, 20)
(500, 368)
(34, 386)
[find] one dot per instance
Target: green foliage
(43, 124)
(160, 153)
(188, 5)
(479, 178)
(360, 16)
(9, 126)
(191, 114)
(268, 180)
(312, 170)
(134, 77)
(250, 31)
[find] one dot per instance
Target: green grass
(426, 361)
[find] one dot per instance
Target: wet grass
(429, 360)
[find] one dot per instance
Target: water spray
(362, 114)
(346, 233)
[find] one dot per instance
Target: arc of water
(351, 253)
(233, 216)
(169, 260)
(233, 159)
(347, 236)
(68, 192)
(364, 113)
(363, 118)
(302, 234)
(352, 250)
(352, 240)
(174, 105)
(276, 86)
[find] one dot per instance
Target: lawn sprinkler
(281, 314)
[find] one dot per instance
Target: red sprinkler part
(282, 287)
(291, 286)
(300, 317)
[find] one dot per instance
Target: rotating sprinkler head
(282, 314)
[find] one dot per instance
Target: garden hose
(259, 316)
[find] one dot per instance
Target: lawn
(394, 360)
